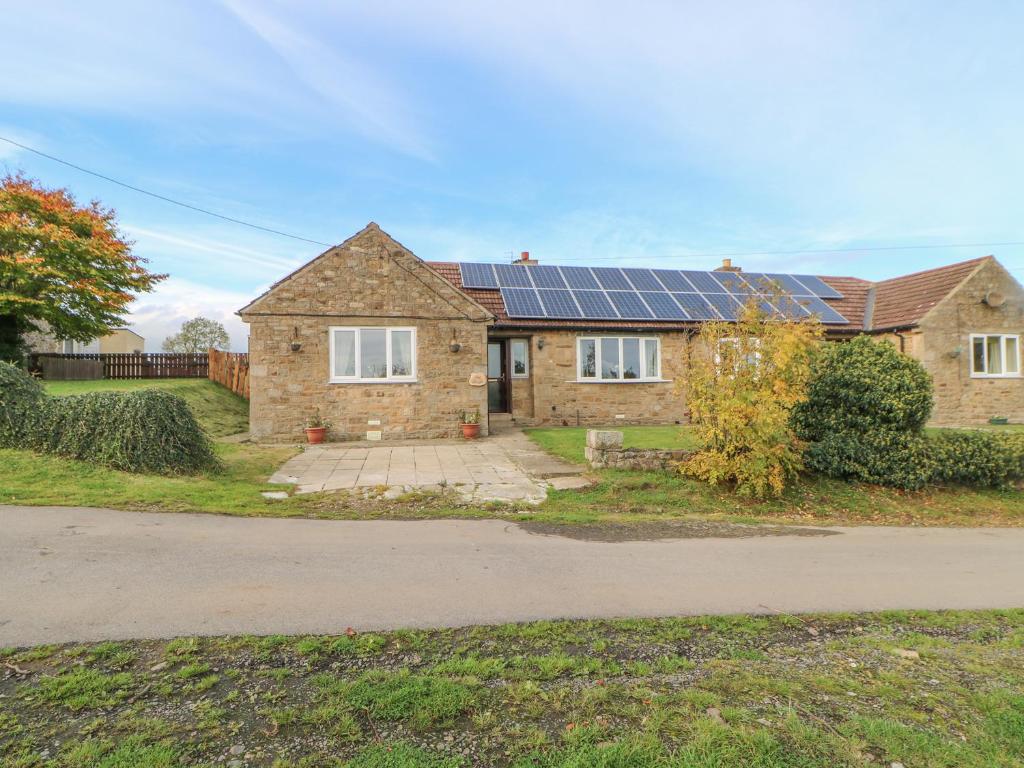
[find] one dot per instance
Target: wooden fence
(231, 370)
(127, 365)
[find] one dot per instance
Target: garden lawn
(944, 690)
(569, 442)
(641, 501)
(220, 411)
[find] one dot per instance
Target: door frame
(505, 377)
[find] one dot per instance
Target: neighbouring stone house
(119, 340)
(385, 345)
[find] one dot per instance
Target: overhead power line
(166, 199)
(733, 254)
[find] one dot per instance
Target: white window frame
(596, 378)
(357, 379)
(526, 358)
(1004, 340)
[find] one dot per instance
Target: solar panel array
(611, 293)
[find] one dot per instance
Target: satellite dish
(994, 299)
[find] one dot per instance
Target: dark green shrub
(866, 406)
(977, 458)
(864, 416)
(21, 404)
(862, 386)
(147, 430)
(896, 459)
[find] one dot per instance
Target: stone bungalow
(388, 346)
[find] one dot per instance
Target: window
(378, 355)
(618, 358)
(729, 349)
(995, 355)
(520, 358)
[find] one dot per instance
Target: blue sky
(586, 132)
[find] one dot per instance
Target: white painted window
(618, 358)
(520, 358)
(729, 347)
(373, 355)
(995, 355)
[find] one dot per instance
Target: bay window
(995, 355)
(618, 358)
(374, 355)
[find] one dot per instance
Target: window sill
(374, 382)
(620, 381)
(995, 376)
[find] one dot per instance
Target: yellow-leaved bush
(744, 379)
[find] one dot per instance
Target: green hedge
(21, 405)
(976, 458)
(864, 416)
(147, 431)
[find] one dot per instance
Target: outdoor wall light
(296, 344)
(453, 345)
(540, 343)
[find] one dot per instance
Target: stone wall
(943, 346)
(558, 398)
(604, 451)
(370, 280)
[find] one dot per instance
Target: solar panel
(673, 280)
(818, 287)
(696, 306)
(558, 303)
(522, 302)
(546, 276)
(725, 303)
(732, 283)
(611, 278)
(629, 306)
(643, 279)
(760, 282)
(787, 283)
(816, 306)
(663, 306)
(595, 305)
(512, 276)
(791, 308)
(702, 281)
(579, 277)
(477, 275)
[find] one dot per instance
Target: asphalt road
(89, 574)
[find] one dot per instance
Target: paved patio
(504, 467)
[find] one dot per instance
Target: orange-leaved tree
(743, 381)
(62, 264)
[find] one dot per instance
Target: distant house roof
(899, 302)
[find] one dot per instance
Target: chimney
(524, 258)
(727, 267)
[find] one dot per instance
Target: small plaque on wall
(477, 379)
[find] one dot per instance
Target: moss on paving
(921, 688)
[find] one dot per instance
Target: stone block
(604, 440)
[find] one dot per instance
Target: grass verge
(942, 689)
(219, 410)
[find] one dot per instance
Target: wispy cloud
(371, 105)
(160, 314)
(221, 249)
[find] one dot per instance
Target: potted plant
(316, 428)
(470, 423)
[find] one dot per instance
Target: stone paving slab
(503, 467)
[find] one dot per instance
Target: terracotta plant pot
(315, 434)
(470, 431)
